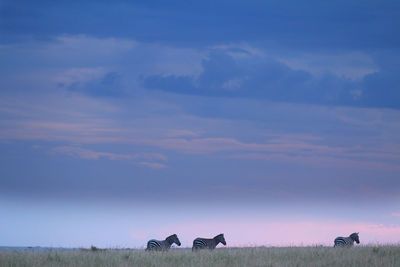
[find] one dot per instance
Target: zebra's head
(355, 237)
(174, 239)
(220, 238)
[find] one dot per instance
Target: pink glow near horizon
(296, 233)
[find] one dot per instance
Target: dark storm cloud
(267, 78)
(223, 76)
(288, 26)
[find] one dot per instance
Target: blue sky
(123, 121)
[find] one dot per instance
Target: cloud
(352, 65)
(381, 87)
(182, 133)
(106, 67)
(152, 165)
(94, 155)
(269, 103)
(223, 76)
(262, 150)
(120, 67)
(108, 85)
(96, 81)
(207, 145)
(345, 161)
(89, 154)
(265, 77)
(290, 24)
(82, 120)
(79, 75)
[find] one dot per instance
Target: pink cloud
(182, 133)
(89, 154)
(94, 155)
(325, 160)
(287, 148)
(152, 165)
(216, 144)
(86, 126)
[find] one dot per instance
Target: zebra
(163, 244)
(201, 243)
(347, 241)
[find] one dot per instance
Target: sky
(276, 123)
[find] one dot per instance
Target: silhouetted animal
(347, 241)
(205, 243)
(163, 244)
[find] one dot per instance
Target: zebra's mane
(171, 238)
(354, 236)
(218, 236)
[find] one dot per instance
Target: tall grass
(293, 256)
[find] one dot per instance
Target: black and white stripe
(163, 244)
(208, 243)
(347, 241)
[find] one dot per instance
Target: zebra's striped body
(163, 244)
(205, 243)
(347, 241)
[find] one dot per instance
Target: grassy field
(295, 256)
